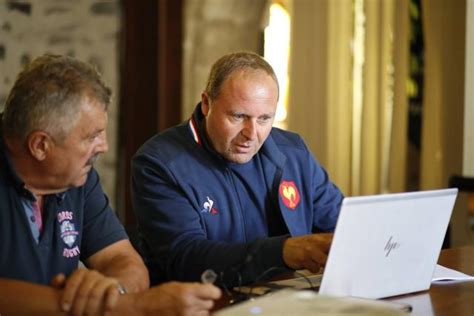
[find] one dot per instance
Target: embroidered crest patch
(289, 194)
(69, 233)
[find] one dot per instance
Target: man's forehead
(92, 115)
(239, 80)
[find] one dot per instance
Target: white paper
(443, 274)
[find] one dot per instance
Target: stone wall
(213, 28)
(87, 30)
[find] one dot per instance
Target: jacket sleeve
(327, 199)
(175, 243)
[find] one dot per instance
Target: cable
(262, 276)
(209, 276)
(311, 286)
(273, 269)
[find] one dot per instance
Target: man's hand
(307, 252)
(175, 298)
(87, 292)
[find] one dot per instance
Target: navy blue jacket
(188, 210)
(77, 223)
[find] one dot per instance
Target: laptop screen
(386, 245)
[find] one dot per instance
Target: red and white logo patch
(208, 207)
(289, 194)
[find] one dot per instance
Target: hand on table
(87, 292)
(176, 298)
(307, 252)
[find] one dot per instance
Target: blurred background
(379, 89)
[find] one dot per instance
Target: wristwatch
(121, 289)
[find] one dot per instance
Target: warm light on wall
(277, 53)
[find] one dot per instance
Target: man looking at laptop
(226, 191)
(54, 213)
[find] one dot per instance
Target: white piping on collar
(192, 126)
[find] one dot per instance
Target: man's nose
(250, 129)
(103, 144)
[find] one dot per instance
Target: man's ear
(39, 144)
(205, 103)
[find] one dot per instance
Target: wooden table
(449, 298)
(441, 299)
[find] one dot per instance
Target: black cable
(262, 276)
(272, 269)
(234, 298)
(241, 296)
(311, 286)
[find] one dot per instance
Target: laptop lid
(386, 245)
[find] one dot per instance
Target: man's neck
(26, 169)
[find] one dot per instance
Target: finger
(201, 313)
(83, 293)
(326, 245)
(58, 280)
(200, 304)
(112, 297)
(311, 265)
(207, 291)
(318, 256)
(322, 241)
(70, 288)
(207, 305)
(198, 297)
(197, 307)
(98, 295)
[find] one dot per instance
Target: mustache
(92, 160)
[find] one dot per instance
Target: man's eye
(265, 119)
(238, 117)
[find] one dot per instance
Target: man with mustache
(54, 212)
(226, 191)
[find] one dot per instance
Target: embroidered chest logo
(289, 194)
(68, 234)
(208, 207)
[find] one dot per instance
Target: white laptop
(385, 245)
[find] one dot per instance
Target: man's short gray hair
(47, 96)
